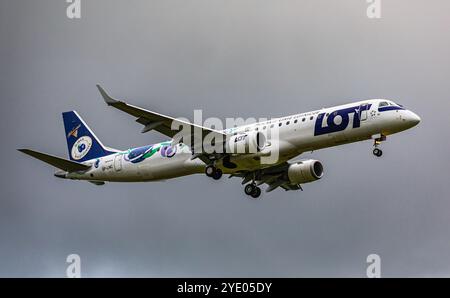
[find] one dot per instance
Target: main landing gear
(213, 172)
(252, 190)
(377, 151)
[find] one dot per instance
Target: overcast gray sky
(230, 59)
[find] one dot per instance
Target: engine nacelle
(305, 171)
(251, 142)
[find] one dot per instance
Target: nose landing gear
(376, 151)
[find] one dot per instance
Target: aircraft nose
(413, 119)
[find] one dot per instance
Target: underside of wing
(274, 177)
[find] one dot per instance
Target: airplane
(90, 160)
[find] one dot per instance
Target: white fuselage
(298, 133)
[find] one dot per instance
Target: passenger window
(296, 120)
(303, 119)
(279, 124)
(287, 123)
(311, 118)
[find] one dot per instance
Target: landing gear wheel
(210, 170)
(256, 192)
(377, 152)
(217, 174)
(249, 188)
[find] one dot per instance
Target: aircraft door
(118, 163)
(363, 111)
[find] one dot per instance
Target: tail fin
(81, 141)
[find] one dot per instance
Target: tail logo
(81, 147)
(74, 132)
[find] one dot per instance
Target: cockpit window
(388, 105)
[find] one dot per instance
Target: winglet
(108, 99)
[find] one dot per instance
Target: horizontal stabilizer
(60, 163)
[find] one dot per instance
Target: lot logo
(81, 147)
(338, 120)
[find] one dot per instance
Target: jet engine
(305, 171)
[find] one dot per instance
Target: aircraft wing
(155, 121)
